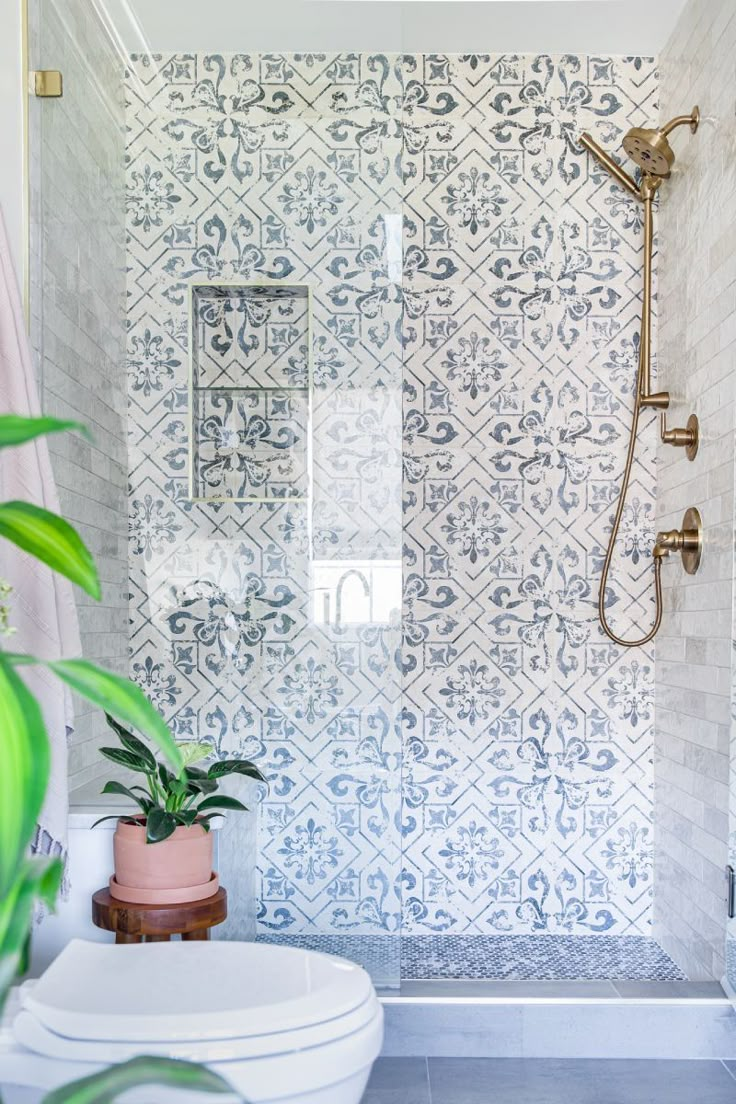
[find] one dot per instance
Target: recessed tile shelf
(250, 392)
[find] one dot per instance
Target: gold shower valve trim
(688, 541)
(687, 437)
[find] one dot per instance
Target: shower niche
(250, 392)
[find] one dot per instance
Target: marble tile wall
(697, 281)
(78, 316)
(527, 749)
(478, 755)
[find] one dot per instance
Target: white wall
(539, 26)
(697, 354)
(11, 128)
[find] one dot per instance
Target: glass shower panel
(77, 317)
(272, 627)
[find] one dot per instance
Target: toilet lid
(192, 991)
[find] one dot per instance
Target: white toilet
(278, 1023)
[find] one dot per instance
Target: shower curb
(544, 1026)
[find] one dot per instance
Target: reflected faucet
(341, 584)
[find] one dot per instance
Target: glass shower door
(265, 505)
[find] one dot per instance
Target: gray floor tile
(557, 1081)
(398, 1081)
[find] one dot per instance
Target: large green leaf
(222, 801)
(50, 539)
(114, 694)
(122, 698)
(159, 825)
(24, 773)
(144, 802)
(132, 743)
(124, 758)
(105, 1087)
(15, 430)
(235, 766)
(37, 879)
(202, 785)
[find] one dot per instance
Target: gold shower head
(650, 149)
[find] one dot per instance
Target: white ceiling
(448, 26)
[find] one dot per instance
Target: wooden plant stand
(157, 923)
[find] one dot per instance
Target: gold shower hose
(614, 535)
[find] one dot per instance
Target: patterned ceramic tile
(481, 756)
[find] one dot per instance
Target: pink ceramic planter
(150, 873)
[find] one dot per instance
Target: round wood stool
(157, 923)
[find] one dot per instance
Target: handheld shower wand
(651, 151)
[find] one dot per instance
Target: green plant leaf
(159, 825)
(105, 1087)
(144, 803)
(187, 817)
(205, 820)
(50, 539)
(131, 742)
(202, 785)
(15, 430)
(25, 770)
(195, 772)
(221, 801)
(179, 787)
(235, 766)
(165, 775)
(114, 694)
(125, 758)
(121, 697)
(37, 879)
(194, 751)
(113, 816)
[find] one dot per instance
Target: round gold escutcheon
(693, 428)
(692, 540)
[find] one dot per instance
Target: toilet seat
(280, 1024)
(34, 1035)
(194, 992)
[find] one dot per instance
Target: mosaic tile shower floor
(513, 957)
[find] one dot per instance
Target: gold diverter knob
(688, 541)
(687, 437)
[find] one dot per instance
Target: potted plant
(164, 853)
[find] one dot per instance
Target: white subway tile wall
(697, 349)
(78, 316)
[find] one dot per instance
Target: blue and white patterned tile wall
(483, 756)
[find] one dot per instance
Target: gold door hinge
(47, 83)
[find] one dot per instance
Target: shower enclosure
(381, 325)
